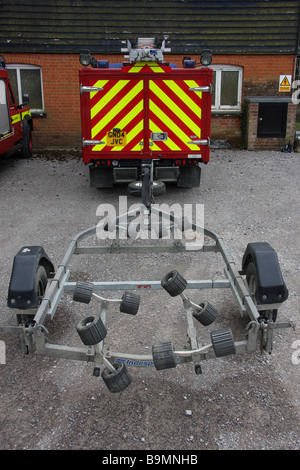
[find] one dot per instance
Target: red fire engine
(15, 120)
(145, 116)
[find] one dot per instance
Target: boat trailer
(35, 291)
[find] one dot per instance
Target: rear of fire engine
(145, 113)
(15, 120)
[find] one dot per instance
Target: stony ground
(239, 402)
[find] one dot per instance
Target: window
(27, 79)
(226, 88)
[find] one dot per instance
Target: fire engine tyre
(223, 342)
(91, 330)
(206, 315)
(135, 188)
(251, 278)
(40, 288)
(174, 283)
(163, 356)
(83, 292)
(118, 380)
(130, 303)
(27, 140)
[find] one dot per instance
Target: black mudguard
(21, 292)
(270, 286)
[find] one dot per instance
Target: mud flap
(270, 286)
(21, 292)
(101, 177)
(189, 177)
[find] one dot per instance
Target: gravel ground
(238, 402)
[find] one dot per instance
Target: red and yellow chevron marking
(175, 110)
(148, 67)
(118, 105)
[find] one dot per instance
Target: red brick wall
(61, 126)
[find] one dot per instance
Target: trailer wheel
(40, 288)
(83, 292)
(130, 303)
(118, 380)
(91, 330)
(135, 188)
(206, 315)
(223, 342)
(251, 278)
(163, 356)
(174, 283)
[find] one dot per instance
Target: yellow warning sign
(285, 82)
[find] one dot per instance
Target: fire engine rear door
(175, 115)
(4, 111)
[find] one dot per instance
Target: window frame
(18, 67)
(217, 107)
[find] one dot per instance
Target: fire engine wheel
(130, 303)
(223, 342)
(206, 315)
(40, 288)
(26, 141)
(117, 380)
(91, 330)
(163, 356)
(251, 278)
(83, 292)
(135, 188)
(173, 283)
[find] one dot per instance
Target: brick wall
(61, 125)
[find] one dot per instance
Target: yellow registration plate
(116, 138)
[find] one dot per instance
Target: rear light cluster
(186, 162)
(106, 162)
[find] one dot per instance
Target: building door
(272, 118)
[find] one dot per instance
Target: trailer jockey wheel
(163, 356)
(206, 315)
(130, 303)
(135, 188)
(83, 292)
(222, 341)
(174, 283)
(91, 330)
(251, 278)
(117, 380)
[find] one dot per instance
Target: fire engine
(145, 119)
(16, 123)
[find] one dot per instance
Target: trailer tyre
(118, 380)
(40, 288)
(91, 330)
(174, 283)
(83, 292)
(206, 315)
(251, 278)
(163, 356)
(130, 303)
(223, 342)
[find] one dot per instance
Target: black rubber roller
(223, 342)
(130, 303)
(206, 315)
(163, 356)
(83, 292)
(116, 381)
(174, 283)
(91, 330)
